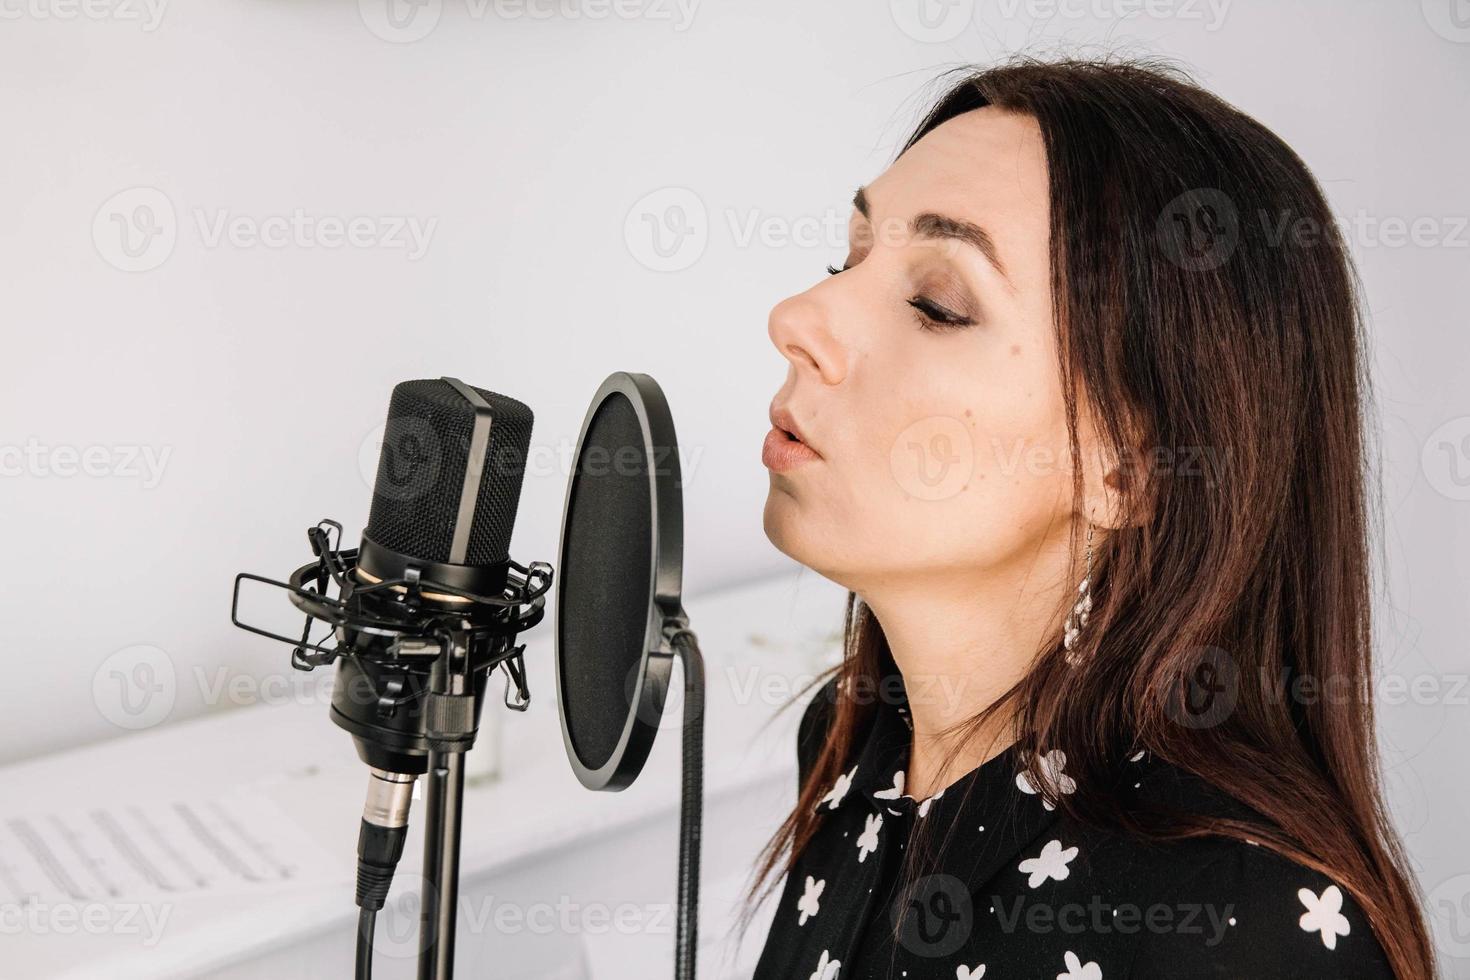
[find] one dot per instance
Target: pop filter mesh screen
(607, 551)
(421, 473)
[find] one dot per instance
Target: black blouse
(1014, 888)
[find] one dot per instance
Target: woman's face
(923, 377)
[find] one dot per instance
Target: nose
(798, 328)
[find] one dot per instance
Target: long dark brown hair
(1206, 305)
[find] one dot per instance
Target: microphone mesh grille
(421, 473)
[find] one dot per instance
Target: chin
(794, 535)
(778, 519)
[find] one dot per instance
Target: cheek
(951, 456)
(964, 464)
(1021, 441)
(962, 419)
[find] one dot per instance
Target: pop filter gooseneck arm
(691, 804)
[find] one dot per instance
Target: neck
(961, 642)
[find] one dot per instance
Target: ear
(1115, 488)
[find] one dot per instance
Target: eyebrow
(928, 224)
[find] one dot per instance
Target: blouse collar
(992, 812)
(876, 775)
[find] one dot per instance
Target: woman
(1078, 423)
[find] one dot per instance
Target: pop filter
(621, 571)
(620, 621)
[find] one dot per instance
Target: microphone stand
(443, 817)
(444, 810)
(451, 713)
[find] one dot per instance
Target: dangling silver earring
(1077, 618)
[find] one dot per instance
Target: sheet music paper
(151, 851)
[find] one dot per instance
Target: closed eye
(929, 314)
(932, 316)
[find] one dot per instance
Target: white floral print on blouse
(826, 967)
(839, 789)
(1051, 863)
(867, 842)
(969, 972)
(924, 811)
(811, 895)
(894, 791)
(1324, 914)
(1053, 773)
(1077, 970)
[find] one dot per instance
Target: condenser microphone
(424, 609)
(444, 504)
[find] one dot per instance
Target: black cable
(378, 851)
(691, 809)
(366, 920)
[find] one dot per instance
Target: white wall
(528, 142)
